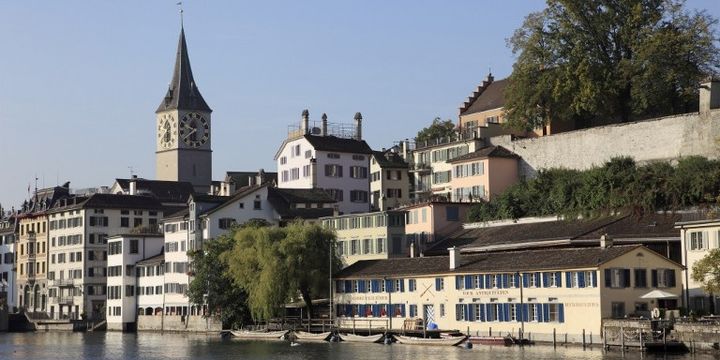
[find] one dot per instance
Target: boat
(492, 340)
(307, 336)
(264, 335)
(446, 341)
(361, 338)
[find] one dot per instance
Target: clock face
(194, 130)
(166, 131)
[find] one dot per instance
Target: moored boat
(307, 336)
(265, 335)
(446, 341)
(361, 338)
(492, 340)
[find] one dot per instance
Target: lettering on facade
(582, 304)
(486, 293)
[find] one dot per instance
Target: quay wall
(190, 323)
(661, 139)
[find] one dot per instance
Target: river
(118, 346)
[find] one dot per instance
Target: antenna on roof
(132, 171)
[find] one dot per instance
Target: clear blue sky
(80, 80)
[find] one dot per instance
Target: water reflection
(117, 346)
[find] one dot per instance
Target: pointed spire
(182, 92)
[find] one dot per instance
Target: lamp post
(330, 281)
(390, 311)
(522, 306)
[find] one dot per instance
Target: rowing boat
(265, 335)
(306, 336)
(360, 338)
(492, 340)
(449, 341)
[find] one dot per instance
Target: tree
(211, 283)
(607, 60)
(273, 265)
(438, 129)
(707, 272)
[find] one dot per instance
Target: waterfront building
(8, 234)
(548, 291)
(483, 174)
(183, 119)
(32, 249)
(389, 179)
(431, 221)
(78, 228)
(332, 157)
(375, 235)
(123, 275)
(698, 238)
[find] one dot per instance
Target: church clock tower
(183, 151)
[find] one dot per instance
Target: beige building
(566, 291)
(389, 180)
(698, 238)
(377, 235)
(483, 174)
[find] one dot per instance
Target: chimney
(606, 241)
(412, 249)
(323, 131)
(358, 126)
(709, 95)
(260, 177)
(133, 185)
(313, 172)
(454, 253)
(305, 127)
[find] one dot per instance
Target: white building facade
(8, 227)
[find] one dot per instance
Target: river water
(118, 346)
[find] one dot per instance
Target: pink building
(432, 221)
(482, 174)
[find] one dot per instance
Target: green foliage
(273, 265)
(604, 60)
(707, 272)
(230, 302)
(438, 129)
(620, 185)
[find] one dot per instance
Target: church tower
(183, 151)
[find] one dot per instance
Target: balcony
(420, 167)
(64, 300)
(63, 283)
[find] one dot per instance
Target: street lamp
(519, 277)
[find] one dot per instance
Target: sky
(80, 80)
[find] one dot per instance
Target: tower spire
(182, 92)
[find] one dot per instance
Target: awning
(659, 294)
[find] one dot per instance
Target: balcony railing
(63, 282)
(420, 167)
(65, 300)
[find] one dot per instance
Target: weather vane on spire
(180, 7)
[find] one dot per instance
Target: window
(226, 223)
(306, 171)
(663, 278)
(257, 204)
(358, 196)
(358, 172)
(332, 170)
(618, 310)
(698, 241)
(617, 278)
(308, 154)
(380, 245)
(640, 278)
(358, 157)
(283, 160)
(124, 222)
(336, 194)
(412, 284)
(441, 177)
(333, 156)
(439, 284)
(115, 247)
(354, 247)
(367, 246)
(134, 246)
(394, 193)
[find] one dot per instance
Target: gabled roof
(165, 191)
(283, 200)
(490, 97)
(389, 160)
(486, 152)
(245, 178)
(509, 261)
(241, 193)
(183, 92)
(338, 144)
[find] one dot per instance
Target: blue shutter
(458, 311)
(544, 279)
(339, 286)
(558, 277)
(458, 282)
(374, 286)
(506, 308)
(526, 280)
(361, 286)
(581, 279)
(608, 278)
(654, 276)
(402, 310)
(361, 310)
(506, 281)
(537, 280)
(488, 312)
(546, 312)
(561, 313)
(594, 279)
(526, 312)
(517, 279)
(671, 277)
(482, 312)
(348, 286)
(487, 281)
(389, 285)
(437, 284)
(348, 310)
(468, 282)
(481, 283)
(568, 279)
(402, 285)
(471, 312)
(626, 278)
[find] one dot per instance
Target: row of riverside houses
(120, 253)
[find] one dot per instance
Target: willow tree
(707, 272)
(608, 60)
(273, 265)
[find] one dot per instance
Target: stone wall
(666, 138)
(698, 335)
(177, 323)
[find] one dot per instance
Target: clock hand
(190, 133)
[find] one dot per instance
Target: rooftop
(486, 152)
(487, 97)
